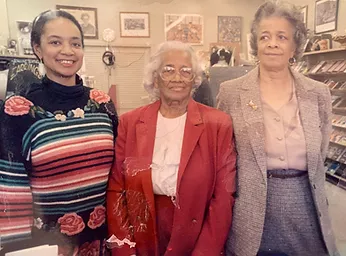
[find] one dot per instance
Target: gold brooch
(252, 105)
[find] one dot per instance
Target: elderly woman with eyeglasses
(171, 188)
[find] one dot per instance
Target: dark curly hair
(285, 10)
(41, 20)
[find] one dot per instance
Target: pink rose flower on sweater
(99, 96)
(71, 224)
(97, 217)
(17, 106)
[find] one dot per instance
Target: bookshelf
(329, 67)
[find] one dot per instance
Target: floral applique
(97, 217)
(71, 224)
(78, 113)
(17, 106)
(90, 249)
(60, 117)
(99, 96)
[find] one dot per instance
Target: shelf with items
(322, 68)
(336, 154)
(329, 67)
(335, 172)
(337, 50)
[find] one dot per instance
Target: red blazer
(205, 186)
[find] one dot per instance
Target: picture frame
(87, 18)
(24, 37)
(229, 29)
(134, 24)
(326, 15)
(187, 28)
(304, 15)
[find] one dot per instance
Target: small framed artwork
(304, 15)
(229, 29)
(326, 15)
(24, 34)
(187, 28)
(134, 24)
(86, 16)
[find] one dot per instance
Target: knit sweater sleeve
(16, 210)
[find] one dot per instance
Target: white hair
(155, 62)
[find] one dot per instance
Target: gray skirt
(291, 224)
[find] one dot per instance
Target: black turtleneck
(54, 96)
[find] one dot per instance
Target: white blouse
(167, 151)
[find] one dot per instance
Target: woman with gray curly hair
(282, 122)
(171, 188)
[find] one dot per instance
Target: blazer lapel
(309, 114)
(253, 115)
(145, 139)
(193, 130)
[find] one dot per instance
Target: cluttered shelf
(335, 172)
(336, 180)
(324, 51)
(329, 67)
(336, 176)
(335, 67)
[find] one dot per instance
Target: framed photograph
(326, 15)
(187, 28)
(229, 29)
(24, 34)
(134, 24)
(304, 15)
(86, 16)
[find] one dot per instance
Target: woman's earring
(41, 68)
(292, 61)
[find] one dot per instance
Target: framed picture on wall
(86, 16)
(326, 15)
(187, 28)
(24, 35)
(229, 29)
(134, 24)
(304, 15)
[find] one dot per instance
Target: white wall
(129, 79)
(4, 32)
(108, 14)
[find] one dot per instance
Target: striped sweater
(56, 151)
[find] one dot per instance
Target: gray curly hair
(285, 10)
(151, 70)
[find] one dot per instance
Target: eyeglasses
(168, 73)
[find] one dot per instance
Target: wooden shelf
(333, 142)
(339, 111)
(324, 51)
(336, 176)
(18, 56)
(339, 126)
(338, 92)
(336, 180)
(327, 74)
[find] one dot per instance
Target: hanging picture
(304, 15)
(326, 12)
(134, 24)
(24, 34)
(187, 28)
(86, 16)
(229, 29)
